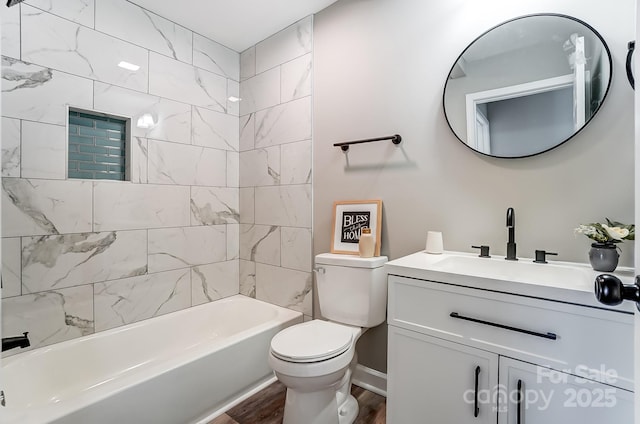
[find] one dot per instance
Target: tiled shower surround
(275, 164)
(219, 200)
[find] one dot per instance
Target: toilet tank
(352, 290)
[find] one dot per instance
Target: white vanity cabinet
(543, 395)
(546, 361)
(434, 381)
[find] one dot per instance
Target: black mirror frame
(595, 112)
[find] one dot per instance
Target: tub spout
(14, 342)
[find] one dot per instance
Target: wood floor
(267, 406)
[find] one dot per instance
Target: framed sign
(349, 218)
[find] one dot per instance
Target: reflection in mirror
(527, 85)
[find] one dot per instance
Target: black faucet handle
(484, 251)
(541, 256)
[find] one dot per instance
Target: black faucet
(13, 342)
(511, 243)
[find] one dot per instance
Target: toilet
(315, 360)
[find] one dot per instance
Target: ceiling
(237, 24)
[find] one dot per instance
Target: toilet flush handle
(319, 270)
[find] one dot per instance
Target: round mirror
(527, 85)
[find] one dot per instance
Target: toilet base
(348, 411)
(320, 407)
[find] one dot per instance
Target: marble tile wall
(80, 256)
(275, 169)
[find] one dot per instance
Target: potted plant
(604, 253)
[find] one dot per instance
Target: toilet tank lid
(354, 261)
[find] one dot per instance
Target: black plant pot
(604, 257)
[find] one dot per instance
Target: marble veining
(61, 44)
(261, 167)
(214, 129)
(23, 78)
(296, 79)
(178, 81)
(214, 57)
(247, 135)
(256, 243)
(248, 278)
(52, 262)
(121, 302)
(38, 207)
(10, 147)
(47, 20)
(301, 298)
(41, 94)
(284, 123)
(80, 11)
(49, 317)
(214, 205)
(174, 248)
(260, 243)
(23, 203)
(288, 44)
(297, 163)
(85, 256)
(128, 21)
(214, 281)
(284, 287)
(161, 33)
(139, 160)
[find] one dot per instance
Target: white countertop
(424, 266)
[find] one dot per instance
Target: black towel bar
(395, 139)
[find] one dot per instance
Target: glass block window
(97, 146)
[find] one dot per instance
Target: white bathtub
(178, 368)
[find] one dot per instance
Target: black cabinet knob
(609, 290)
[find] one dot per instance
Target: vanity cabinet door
(430, 380)
(543, 396)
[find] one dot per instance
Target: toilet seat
(313, 341)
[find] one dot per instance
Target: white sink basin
(516, 271)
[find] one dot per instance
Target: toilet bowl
(315, 360)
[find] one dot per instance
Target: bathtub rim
(7, 361)
(111, 387)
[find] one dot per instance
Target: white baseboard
(370, 379)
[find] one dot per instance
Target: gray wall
(379, 68)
